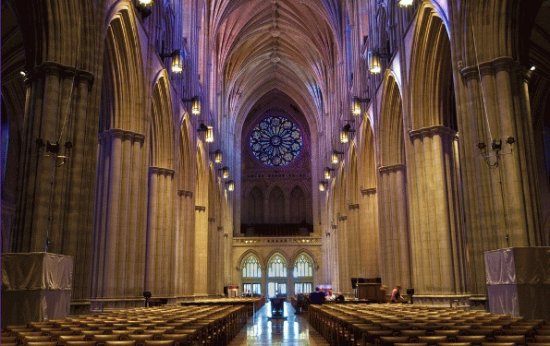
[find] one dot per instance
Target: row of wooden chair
(160, 326)
(388, 324)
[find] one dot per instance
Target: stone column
(354, 249)
(201, 251)
(185, 241)
(160, 269)
(437, 249)
(120, 232)
(394, 226)
(368, 232)
(343, 255)
(500, 198)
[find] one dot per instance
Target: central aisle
(294, 330)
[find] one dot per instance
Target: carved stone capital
(54, 68)
(391, 168)
(368, 191)
(430, 131)
(185, 193)
(503, 63)
(353, 206)
(161, 171)
(123, 134)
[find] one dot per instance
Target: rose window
(276, 141)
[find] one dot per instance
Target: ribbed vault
(275, 45)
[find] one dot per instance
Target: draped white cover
(518, 281)
(35, 286)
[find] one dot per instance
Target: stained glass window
(276, 141)
(277, 267)
(251, 267)
(303, 267)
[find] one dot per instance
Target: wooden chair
(432, 339)
(140, 338)
(178, 338)
(101, 339)
(498, 344)
(35, 338)
(80, 343)
(516, 339)
(159, 342)
(391, 340)
(64, 338)
(42, 343)
(120, 343)
(473, 339)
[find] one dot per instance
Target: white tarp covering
(518, 281)
(35, 287)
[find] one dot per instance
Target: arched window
(277, 267)
(277, 275)
(303, 274)
(251, 272)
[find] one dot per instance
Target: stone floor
(293, 330)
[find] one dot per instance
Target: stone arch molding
(124, 72)
(391, 123)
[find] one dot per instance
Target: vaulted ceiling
(275, 46)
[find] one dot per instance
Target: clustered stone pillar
(394, 231)
(500, 195)
(120, 239)
(436, 232)
(184, 240)
(56, 172)
(343, 254)
(161, 238)
(369, 238)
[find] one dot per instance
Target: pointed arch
(123, 84)
(391, 123)
(162, 128)
(367, 163)
(432, 89)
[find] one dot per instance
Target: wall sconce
(323, 185)
(405, 3)
(177, 60)
(218, 156)
(230, 185)
(209, 132)
(225, 172)
(356, 105)
(327, 173)
(346, 132)
(335, 157)
(144, 7)
(195, 105)
(375, 65)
